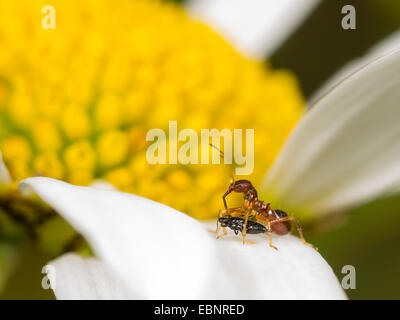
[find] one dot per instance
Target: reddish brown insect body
(262, 210)
(277, 221)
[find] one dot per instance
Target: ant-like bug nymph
(277, 221)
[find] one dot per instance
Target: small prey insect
(277, 221)
(237, 224)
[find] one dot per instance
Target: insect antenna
(222, 155)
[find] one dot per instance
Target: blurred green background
(368, 237)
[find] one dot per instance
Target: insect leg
(232, 211)
(224, 233)
(224, 198)
(299, 229)
(218, 224)
(244, 230)
(249, 211)
(269, 230)
(223, 213)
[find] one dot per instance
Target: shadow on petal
(77, 278)
(155, 251)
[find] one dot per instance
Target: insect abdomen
(236, 224)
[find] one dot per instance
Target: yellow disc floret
(80, 156)
(77, 101)
(75, 122)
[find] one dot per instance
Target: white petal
(256, 271)
(156, 252)
(147, 245)
(257, 27)
(346, 150)
(4, 175)
(102, 184)
(77, 278)
(386, 46)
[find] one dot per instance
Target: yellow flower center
(76, 102)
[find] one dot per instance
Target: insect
(237, 223)
(277, 221)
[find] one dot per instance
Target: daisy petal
(386, 46)
(256, 271)
(77, 278)
(257, 27)
(4, 175)
(346, 150)
(147, 245)
(148, 250)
